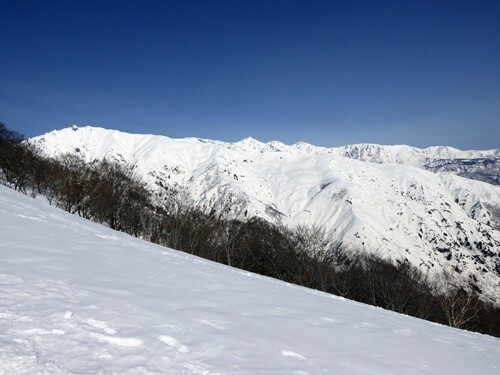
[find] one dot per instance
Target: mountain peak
(371, 198)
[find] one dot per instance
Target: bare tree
(460, 308)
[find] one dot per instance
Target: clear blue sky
(326, 72)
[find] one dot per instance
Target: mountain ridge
(435, 220)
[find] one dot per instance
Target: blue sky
(326, 72)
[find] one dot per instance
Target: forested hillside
(112, 194)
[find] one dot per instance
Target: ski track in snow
(78, 298)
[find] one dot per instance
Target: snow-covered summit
(399, 154)
(370, 198)
(79, 298)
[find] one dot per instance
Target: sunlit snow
(76, 297)
(436, 221)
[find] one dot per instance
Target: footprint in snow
(40, 332)
(119, 341)
(174, 344)
(404, 332)
(114, 340)
(365, 325)
(31, 217)
(211, 323)
(106, 237)
(10, 280)
(289, 353)
(100, 325)
(322, 321)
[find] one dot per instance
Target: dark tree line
(109, 193)
(102, 191)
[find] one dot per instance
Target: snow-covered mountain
(478, 165)
(371, 198)
(79, 298)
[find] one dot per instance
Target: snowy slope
(438, 221)
(79, 298)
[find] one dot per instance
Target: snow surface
(437, 221)
(79, 298)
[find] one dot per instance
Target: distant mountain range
(438, 207)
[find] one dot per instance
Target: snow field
(76, 297)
